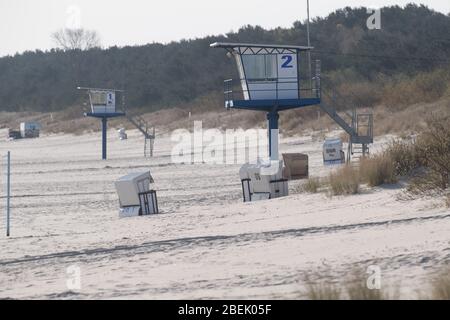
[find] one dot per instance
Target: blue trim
(280, 105)
(333, 162)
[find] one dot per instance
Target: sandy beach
(206, 243)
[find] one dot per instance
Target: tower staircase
(143, 126)
(358, 126)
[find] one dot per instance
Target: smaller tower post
(104, 137)
(273, 132)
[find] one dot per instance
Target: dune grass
(312, 185)
(403, 155)
(323, 291)
(353, 287)
(345, 181)
(440, 285)
(377, 170)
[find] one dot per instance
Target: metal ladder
(360, 128)
(144, 127)
(363, 124)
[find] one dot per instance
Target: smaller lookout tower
(270, 81)
(103, 106)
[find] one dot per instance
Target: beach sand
(206, 243)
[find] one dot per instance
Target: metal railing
(233, 89)
(364, 125)
(103, 109)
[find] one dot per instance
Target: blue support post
(272, 118)
(104, 119)
(104, 136)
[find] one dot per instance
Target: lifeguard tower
(103, 106)
(269, 81)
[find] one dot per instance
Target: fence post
(8, 193)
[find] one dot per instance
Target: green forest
(412, 40)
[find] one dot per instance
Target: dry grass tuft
(378, 170)
(403, 155)
(312, 185)
(433, 148)
(323, 291)
(440, 286)
(429, 156)
(357, 289)
(353, 287)
(345, 181)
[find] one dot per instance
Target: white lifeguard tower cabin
(269, 81)
(135, 196)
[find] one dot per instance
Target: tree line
(411, 39)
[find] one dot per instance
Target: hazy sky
(27, 24)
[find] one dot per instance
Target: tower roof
(253, 48)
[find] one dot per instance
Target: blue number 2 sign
(287, 62)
